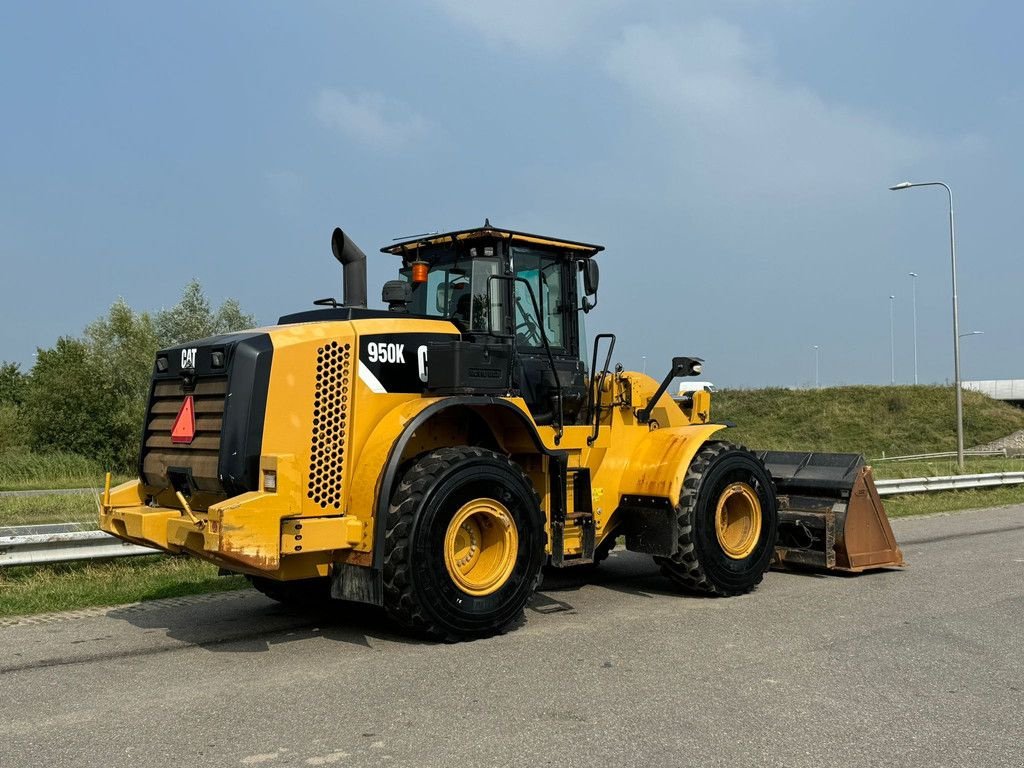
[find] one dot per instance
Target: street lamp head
(913, 274)
(892, 297)
(901, 185)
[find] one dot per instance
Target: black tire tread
(400, 599)
(684, 567)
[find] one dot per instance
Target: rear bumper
(254, 533)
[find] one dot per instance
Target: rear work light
(270, 480)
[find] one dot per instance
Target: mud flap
(830, 514)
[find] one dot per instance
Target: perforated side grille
(330, 407)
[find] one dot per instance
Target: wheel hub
(481, 546)
(738, 520)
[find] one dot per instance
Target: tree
(69, 407)
(12, 383)
(13, 431)
(89, 395)
(230, 317)
(193, 318)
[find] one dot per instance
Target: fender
(659, 463)
(379, 463)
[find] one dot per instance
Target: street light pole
(914, 283)
(892, 340)
(956, 316)
(816, 384)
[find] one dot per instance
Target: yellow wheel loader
(433, 457)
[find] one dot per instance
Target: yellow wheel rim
(480, 547)
(738, 520)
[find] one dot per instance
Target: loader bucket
(830, 515)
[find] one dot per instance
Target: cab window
(459, 289)
(543, 272)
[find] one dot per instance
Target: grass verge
(69, 586)
(875, 421)
(47, 508)
(22, 470)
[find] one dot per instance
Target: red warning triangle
(184, 429)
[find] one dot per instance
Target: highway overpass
(1011, 390)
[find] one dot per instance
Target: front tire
(464, 544)
(727, 522)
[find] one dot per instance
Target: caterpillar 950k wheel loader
(434, 456)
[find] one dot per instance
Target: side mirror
(591, 276)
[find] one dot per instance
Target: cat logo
(188, 358)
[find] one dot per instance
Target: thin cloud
(540, 26)
(370, 119)
(738, 123)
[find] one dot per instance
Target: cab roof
(411, 245)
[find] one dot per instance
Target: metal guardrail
(983, 452)
(948, 483)
(60, 542)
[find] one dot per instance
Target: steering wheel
(529, 332)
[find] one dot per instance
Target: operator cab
(518, 300)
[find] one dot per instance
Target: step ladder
(572, 508)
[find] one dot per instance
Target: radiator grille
(330, 408)
(159, 452)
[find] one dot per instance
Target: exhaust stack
(353, 264)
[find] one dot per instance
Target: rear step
(830, 515)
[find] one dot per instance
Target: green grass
(39, 589)
(32, 510)
(23, 470)
(875, 421)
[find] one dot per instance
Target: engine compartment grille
(201, 456)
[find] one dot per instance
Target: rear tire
(727, 520)
(464, 544)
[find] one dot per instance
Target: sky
(732, 156)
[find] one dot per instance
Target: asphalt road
(921, 667)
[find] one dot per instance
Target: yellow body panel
(320, 534)
(321, 486)
(658, 466)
